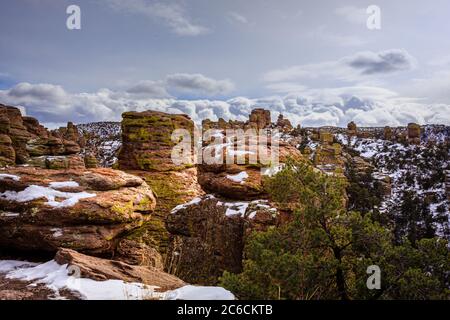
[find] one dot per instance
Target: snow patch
(64, 184)
(240, 177)
(4, 176)
(35, 192)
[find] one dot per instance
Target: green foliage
(324, 252)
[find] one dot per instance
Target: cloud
(433, 88)
(352, 14)
(330, 37)
(149, 89)
(39, 92)
(198, 84)
(381, 62)
(237, 17)
(172, 14)
(367, 106)
(358, 67)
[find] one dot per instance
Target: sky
(316, 62)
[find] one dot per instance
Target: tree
(324, 252)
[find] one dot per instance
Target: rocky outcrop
(103, 269)
(259, 118)
(7, 152)
(30, 139)
(208, 236)
(146, 140)
(89, 211)
(283, 124)
(413, 133)
(387, 133)
(146, 152)
(352, 129)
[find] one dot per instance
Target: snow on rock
(273, 170)
(240, 177)
(9, 176)
(57, 277)
(190, 292)
(64, 184)
(235, 208)
(35, 192)
(185, 205)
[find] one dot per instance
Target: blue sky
(316, 62)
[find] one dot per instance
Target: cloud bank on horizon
(317, 64)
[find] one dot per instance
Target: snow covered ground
(56, 277)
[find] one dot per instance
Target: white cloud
(237, 17)
(330, 37)
(357, 67)
(367, 106)
(149, 89)
(353, 14)
(433, 88)
(198, 84)
(171, 14)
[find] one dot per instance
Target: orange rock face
(42, 210)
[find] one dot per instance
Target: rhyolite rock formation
(146, 152)
(208, 236)
(104, 269)
(413, 133)
(22, 138)
(89, 211)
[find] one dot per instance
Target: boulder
(283, 124)
(147, 143)
(31, 139)
(146, 152)
(103, 269)
(325, 137)
(352, 129)
(414, 133)
(259, 118)
(387, 133)
(208, 236)
(7, 153)
(89, 211)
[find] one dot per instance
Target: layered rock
(28, 138)
(387, 133)
(259, 118)
(103, 269)
(146, 152)
(89, 211)
(413, 133)
(284, 124)
(352, 129)
(146, 140)
(208, 236)
(7, 152)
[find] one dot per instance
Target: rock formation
(146, 152)
(103, 269)
(352, 129)
(89, 211)
(208, 236)
(28, 139)
(259, 118)
(413, 133)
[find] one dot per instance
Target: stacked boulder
(88, 211)
(328, 155)
(24, 141)
(414, 133)
(208, 233)
(146, 151)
